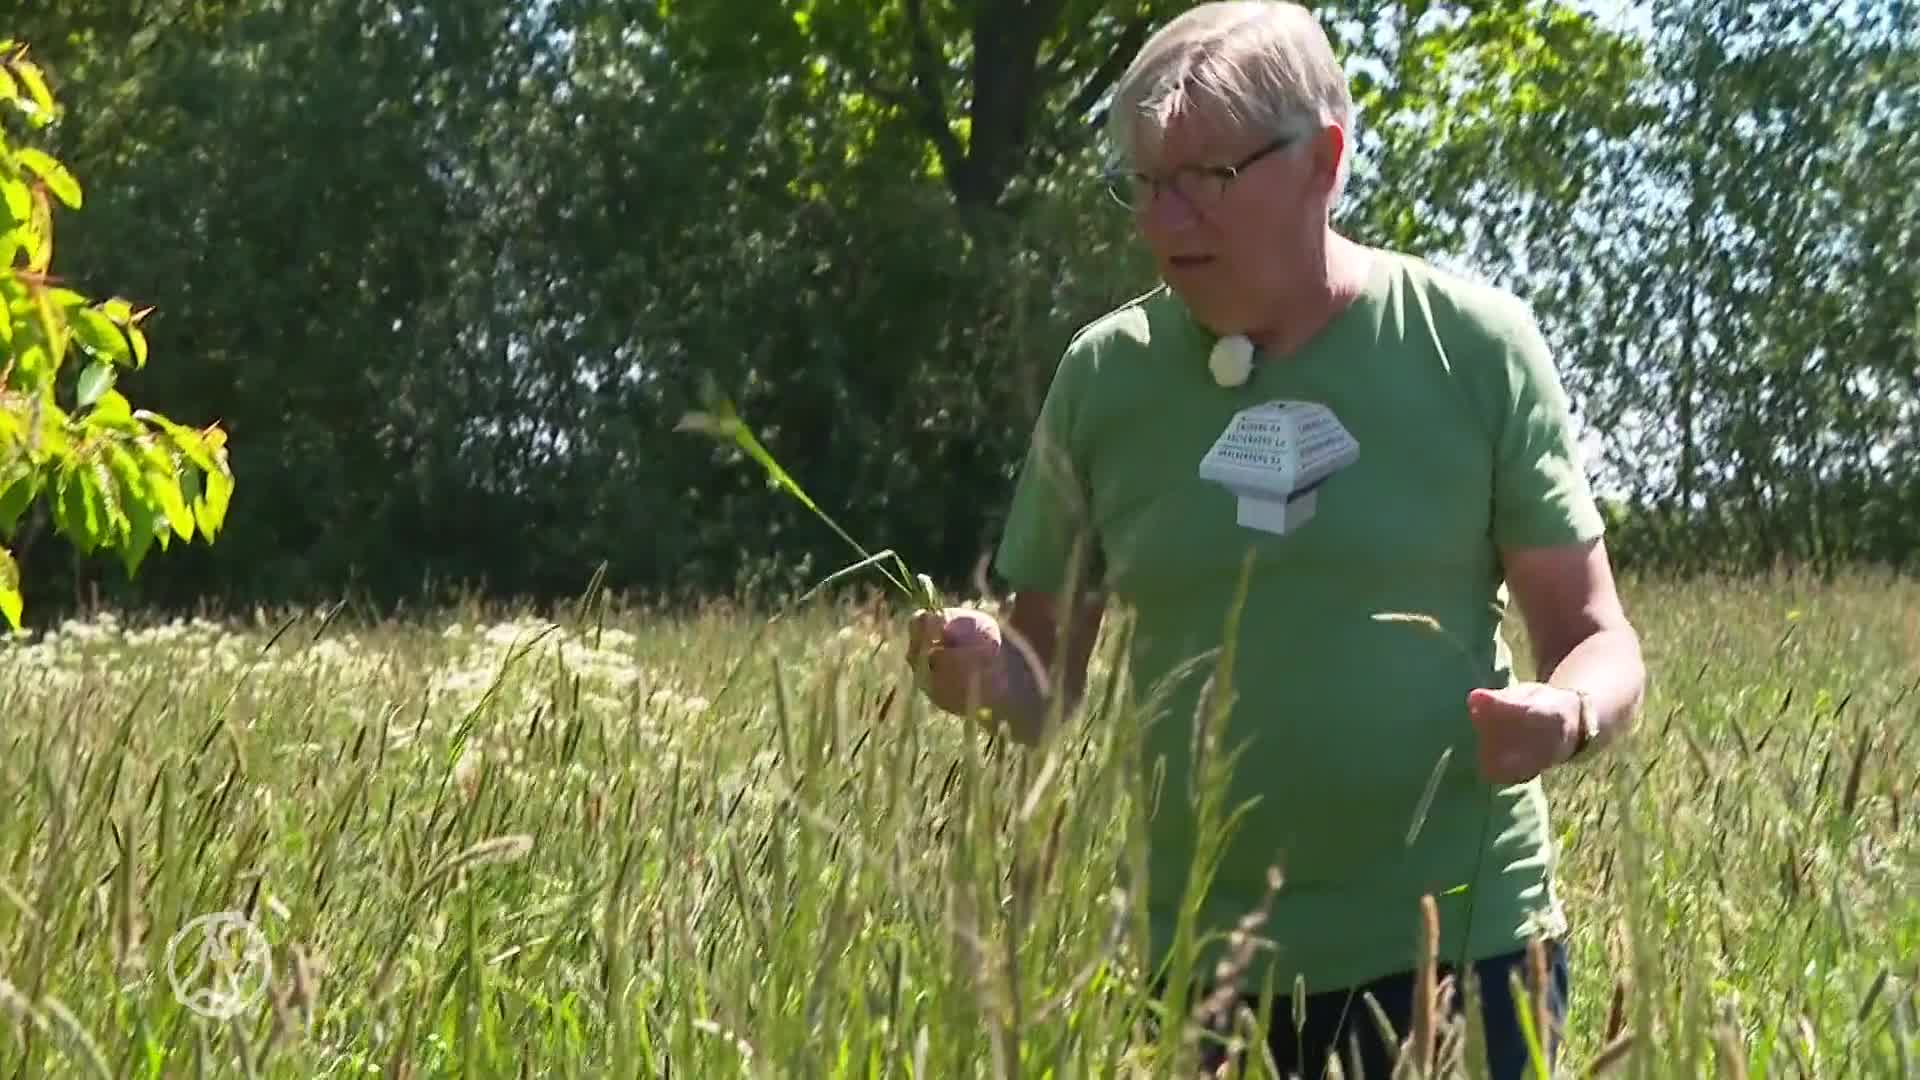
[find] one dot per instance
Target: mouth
(1188, 262)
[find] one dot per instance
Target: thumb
(1484, 704)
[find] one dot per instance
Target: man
(1400, 443)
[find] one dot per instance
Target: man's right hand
(960, 659)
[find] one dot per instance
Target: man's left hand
(1523, 730)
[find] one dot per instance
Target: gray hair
(1263, 66)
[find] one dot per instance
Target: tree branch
(1110, 69)
(1066, 137)
(1008, 93)
(892, 95)
(933, 101)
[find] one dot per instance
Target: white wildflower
(332, 653)
(519, 633)
(83, 632)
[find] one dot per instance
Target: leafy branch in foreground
(722, 422)
(117, 478)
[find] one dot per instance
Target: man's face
(1229, 247)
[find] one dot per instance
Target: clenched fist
(1523, 730)
(960, 658)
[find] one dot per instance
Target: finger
(1482, 699)
(924, 666)
(930, 660)
(922, 630)
(1488, 709)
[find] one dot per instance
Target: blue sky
(1619, 15)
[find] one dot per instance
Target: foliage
(117, 478)
(467, 272)
(1733, 288)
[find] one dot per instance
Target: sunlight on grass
(499, 841)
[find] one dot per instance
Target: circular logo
(219, 965)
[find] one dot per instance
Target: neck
(1334, 278)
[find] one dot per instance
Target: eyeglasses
(1200, 185)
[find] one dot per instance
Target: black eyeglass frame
(1131, 180)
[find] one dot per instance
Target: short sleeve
(1049, 539)
(1541, 493)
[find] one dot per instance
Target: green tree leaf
(10, 600)
(31, 365)
(131, 478)
(211, 509)
(17, 491)
(95, 380)
(39, 234)
(101, 335)
(113, 510)
(190, 442)
(68, 300)
(140, 536)
(36, 84)
(165, 487)
(18, 198)
(114, 411)
(51, 437)
(52, 173)
(77, 511)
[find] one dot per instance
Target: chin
(1217, 319)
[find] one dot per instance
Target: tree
(992, 90)
(1735, 289)
(115, 478)
(1000, 95)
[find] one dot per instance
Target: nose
(1167, 213)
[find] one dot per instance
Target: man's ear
(1330, 145)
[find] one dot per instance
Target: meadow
(599, 841)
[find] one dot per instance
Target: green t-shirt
(1432, 430)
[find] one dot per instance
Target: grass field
(490, 845)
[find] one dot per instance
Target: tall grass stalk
(545, 843)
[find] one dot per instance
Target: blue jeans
(1338, 1020)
